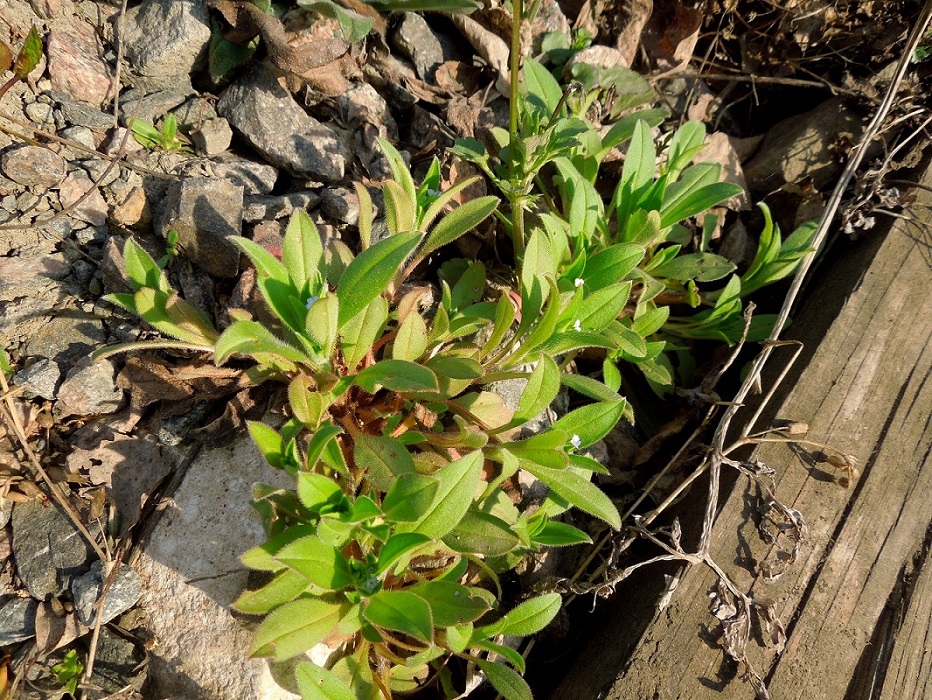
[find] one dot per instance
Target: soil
(784, 94)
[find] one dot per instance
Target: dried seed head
(796, 429)
(839, 461)
(843, 481)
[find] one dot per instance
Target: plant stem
(515, 198)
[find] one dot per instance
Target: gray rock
(415, 40)
(39, 112)
(801, 147)
(83, 270)
(195, 111)
(39, 379)
(152, 106)
(33, 166)
(213, 138)
(118, 666)
(79, 134)
(48, 550)
(103, 172)
(340, 204)
(89, 389)
(67, 337)
(6, 510)
(166, 40)
(189, 581)
(269, 207)
(267, 117)
(17, 619)
(123, 593)
(79, 114)
(205, 212)
(253, 176)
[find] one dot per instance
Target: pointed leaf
(397, 375)
(459, 481)
(396, 547)
(462, 219)
(410, 497)
(451, 603)
(286, 586)
(294, 628)
(592, 422)
(542, 388)
(302, 250)
(384, 458)
(481, 533)
(371, 272)
(578, 490)
(317, 683)
(318, 562)
(358, 335)
(401, 611)
(531, 616)
(411, 340)
(29, 55)
(505, 680)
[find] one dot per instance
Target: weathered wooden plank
(866, 391)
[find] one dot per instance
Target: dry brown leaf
(53, 631)
(491, 47)
(670, 35)
(718, 149)
(629, 38)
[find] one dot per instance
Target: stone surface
(205, 212)
(152, 106)
(801, 146)
(39, 379)
(213, 138)
(33, 166)
(340, 204)
(195, 111)
(254, 176)
(67, 337)
(49, 552)
(122, 594)
(17, 619)
(262, 112)
(29, 286)
(39, 112)
(166, 40)
(89, 389)
(93, 208)
(79, 134)
(134, 210)
(266, 207)
(415, 40)
(6, 510)
(75, 66)
(189, 581)
(80, 114)
(118, 665)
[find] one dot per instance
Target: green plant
(68, 672)
(632, 255)
(394, 539)
(164, 139)
(26, 60)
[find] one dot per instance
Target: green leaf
(603, 306)
(358, 335)
(317, 683)
(541, 84)
(371, 272)
(557, 534)
(400, 209)
(365, 215)
(587, 386)
(562, 343)
(462, 219)
(396, 547)
(592, 422)
(251, 338)
(687, 141)
(303, 252)
(411, 340)
(410, 497)
(458, 637)
(385, 459)
(481, 533)
(444, 198)
(286, 586)
(316, 490)
(307, 404)
(399, 169)
(510, 655)
(611, 265)
(578, 490)
(29, 55)
(505, 680)
(401, 611)
(320, 563)
(262, 558)
(542, 388)
(142, 270)
(295, 627)
(531, 616)
(455, 367)
(546, 448)
(702, 267)
(640, 159)
(322, 322)
(451, 603)
(397, 375)
(459, 481)
(682, 203)
(224, 56)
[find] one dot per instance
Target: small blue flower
(576, 441)
(310, 302)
